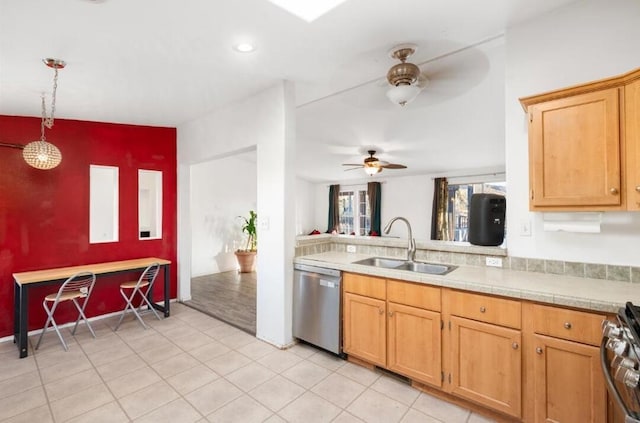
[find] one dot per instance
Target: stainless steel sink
(430, 268)
(433, 269)
(381, 262)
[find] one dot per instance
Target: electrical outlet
(494, 261)
(351, 248)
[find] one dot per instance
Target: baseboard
(66, 325)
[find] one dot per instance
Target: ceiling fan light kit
(372, 165)
(372, 170)
(403, 94)
(403, 76)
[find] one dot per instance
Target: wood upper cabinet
(583, 146)
(569, 386)
(413, 344)
(632, 136)
(574, 151)
(486, 364)
(364, 329)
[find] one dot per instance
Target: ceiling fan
(405, 78)
(372, 165)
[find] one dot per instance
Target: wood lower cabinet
(387, 323)
(486, 364)
(569, 386)
(413, 343)
(564, 380)
(524, 361)
(364, 328)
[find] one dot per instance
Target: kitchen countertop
(585, 293)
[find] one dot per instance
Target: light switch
(264, 223)
(525, 227)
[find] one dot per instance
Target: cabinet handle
(515, 345)
(638, 188)
(567, 325)
(538, 350)
(482, 309)
(614, 191)
(381, 311)
(391, 314)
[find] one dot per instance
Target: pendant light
(42, 154)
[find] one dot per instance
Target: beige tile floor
(194, 368)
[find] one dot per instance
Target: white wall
(265, 122)
(305, 207)
(582, 42)
(221, 190)
(410, 197)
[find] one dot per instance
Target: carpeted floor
(227, 296)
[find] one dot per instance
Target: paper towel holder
(579, 222)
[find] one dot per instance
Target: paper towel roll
(572, 222)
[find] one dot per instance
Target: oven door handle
(610, 384)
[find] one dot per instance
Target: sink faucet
(411, 247)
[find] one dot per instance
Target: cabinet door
(632, 134)
(486, 364)
(414, 341)
(574, 152)
(569, 386)
(364, 328)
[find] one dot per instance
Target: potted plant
(247, 256)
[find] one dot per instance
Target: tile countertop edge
(583, 293)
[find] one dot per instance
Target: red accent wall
(44, 214)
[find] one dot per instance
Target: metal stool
(77, 287)
(143, 287)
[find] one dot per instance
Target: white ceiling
(164, 62)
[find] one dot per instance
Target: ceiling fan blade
(352, 164)
(394, 166)
(354, 168)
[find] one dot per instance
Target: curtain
(439, 220)
(374, 192)
(334, 206)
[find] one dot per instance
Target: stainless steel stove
(620, 359)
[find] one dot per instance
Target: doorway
(222, 190)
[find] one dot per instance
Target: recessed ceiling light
(244, 47)
(309, 10)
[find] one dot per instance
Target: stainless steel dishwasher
(316, 307)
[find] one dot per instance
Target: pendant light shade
(42, 155)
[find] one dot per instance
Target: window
(354, 211)
(458, 205)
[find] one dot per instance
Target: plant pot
(246, 260)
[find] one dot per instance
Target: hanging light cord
(48, 121)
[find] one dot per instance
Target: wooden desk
(25, 280)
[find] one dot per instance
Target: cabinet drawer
(568, 324)
(423, 296)
(368, 286)
(487, 309)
